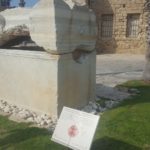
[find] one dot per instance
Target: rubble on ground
(24, 115)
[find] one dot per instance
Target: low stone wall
(45, 83)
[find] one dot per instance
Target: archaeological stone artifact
(146, 73)
(64, 75)
(61, 26)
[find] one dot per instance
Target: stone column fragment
(65, 74)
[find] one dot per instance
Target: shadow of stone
(125, 100)
(108, 143)
(111, 93)
(22, 43)
(21, 135)
(142, 97)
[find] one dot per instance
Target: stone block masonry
(128, 31)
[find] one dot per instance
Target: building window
(133, 25)
(107, 25)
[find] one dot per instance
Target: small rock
(23, 115)
(30, 119)
(88, 108)
(38, 119)
(7, 109)
(1, 106)
(34, 115)
(94, 112)
(15, 110)
(122, 89)
(43, 123)
(109, 104)
(20, 114)
(94, 106)
(44, 117)
(135, 91)
(49, 121)
(4, 103)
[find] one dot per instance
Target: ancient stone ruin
(146, 74)
(63, 74)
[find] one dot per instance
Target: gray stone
(88, 108)
(43, 123)
(49, 122)
(30, 119)
(1, 106)
(15, 110)
(23, 116)
(7, 109)
(67, 30)
(38, 119)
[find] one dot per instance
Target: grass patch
(19, 136)
(126, 127)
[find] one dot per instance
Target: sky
(29, 3)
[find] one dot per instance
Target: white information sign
(75, 129)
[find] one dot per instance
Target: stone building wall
(119, 42)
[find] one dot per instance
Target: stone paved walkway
(113, 69)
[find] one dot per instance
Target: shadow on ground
(111, 93)
(21, 135)
(107, 143)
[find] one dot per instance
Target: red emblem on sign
(73, 131)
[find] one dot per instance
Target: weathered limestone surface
(61, 26)
(16, 17)
(13, 23)
(45, 83)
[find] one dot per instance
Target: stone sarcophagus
(64, 75)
